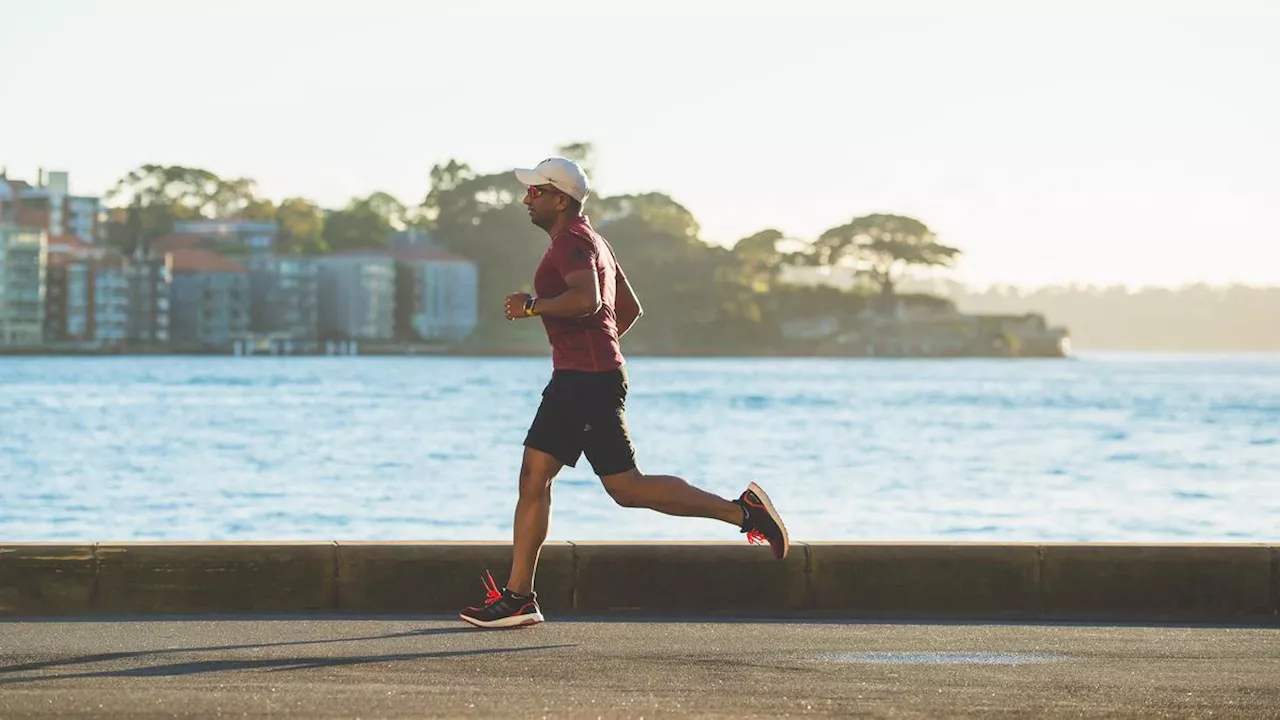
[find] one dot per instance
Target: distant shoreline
(487, 352)
(518, 352)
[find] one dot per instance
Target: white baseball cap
(563, 174)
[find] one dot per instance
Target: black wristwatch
(528, 306)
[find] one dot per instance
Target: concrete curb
(1236, 583)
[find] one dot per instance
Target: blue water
(1101, 448)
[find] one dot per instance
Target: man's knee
(625, 488)
(537, 470)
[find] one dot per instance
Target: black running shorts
(584, 413)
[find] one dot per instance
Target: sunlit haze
(1120, 142)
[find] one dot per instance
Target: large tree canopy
(882, 247)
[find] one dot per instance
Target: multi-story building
(150, 280)
(86, 293)
(60, 252)
(92, 294)
(247, 234)
(50, 206)
(23, 261)
(441, 298)
(209, 300)
(410, 239)
(83, 218)
(110, 298)
(285, 297)
(357, 296)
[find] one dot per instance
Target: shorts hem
(560, 457)
(610, 471)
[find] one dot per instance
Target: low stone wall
(1237, 583)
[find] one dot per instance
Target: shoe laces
(755, 537)
(491, 592)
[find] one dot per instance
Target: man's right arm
(628, 305)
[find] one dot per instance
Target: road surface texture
(339, 666)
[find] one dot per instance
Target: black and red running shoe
(762, 523)
(503, 608)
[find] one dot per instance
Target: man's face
(545, 204)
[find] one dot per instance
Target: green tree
(301, 227)
(238, 199)
(187, 193)
(364, 223)
(655, 210)
(583, 153)
(694, 295)
(444, 179)
(482, 217)
(154, 197)
(385, 206)
(882, 247)
(760, 259)
(257, 210)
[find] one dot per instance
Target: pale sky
(1122, 141)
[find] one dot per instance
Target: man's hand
(515, 305)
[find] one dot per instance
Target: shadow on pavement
(272, 664)
(107, 657)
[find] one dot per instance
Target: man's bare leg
(670, 495)
(532, 518)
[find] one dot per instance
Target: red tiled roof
(64, 249)
(176, 241)
(201, 260)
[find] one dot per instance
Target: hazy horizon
(1062, 144)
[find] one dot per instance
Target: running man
(586, 305)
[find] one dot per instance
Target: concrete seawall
(1237, 583)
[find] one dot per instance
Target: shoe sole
(506, 622)
(773, 513)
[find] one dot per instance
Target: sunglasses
(537, 191)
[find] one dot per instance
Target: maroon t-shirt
(584, 343)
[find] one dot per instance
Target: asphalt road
(434, 667)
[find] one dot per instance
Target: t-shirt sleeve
(574, 253)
